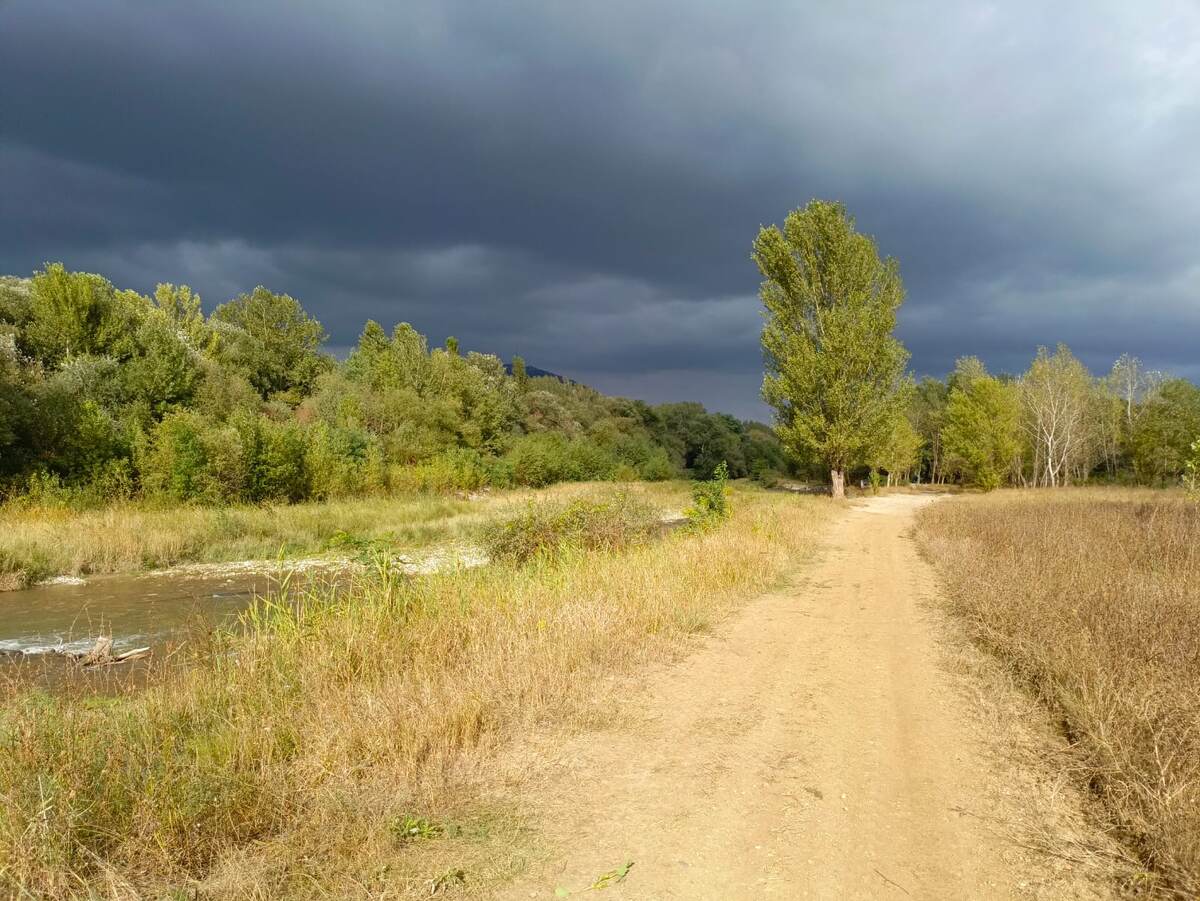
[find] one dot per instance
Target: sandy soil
(822, 744)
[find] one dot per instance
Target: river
(136, 610)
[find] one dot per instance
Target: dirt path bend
(815, 747)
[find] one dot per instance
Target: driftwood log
(102, 654)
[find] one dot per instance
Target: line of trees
(835, 374)
(1057, 424)
(108, 393)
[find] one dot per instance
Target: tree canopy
(981, 425)
(105, 393)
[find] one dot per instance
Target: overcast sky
(579, 182)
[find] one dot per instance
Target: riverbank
(37, 544)
(343, 745)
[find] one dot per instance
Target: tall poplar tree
(834, 370)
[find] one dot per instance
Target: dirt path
(816, 747)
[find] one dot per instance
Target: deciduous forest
(106, 394)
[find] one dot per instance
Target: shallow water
(148, 609)
(136, 610)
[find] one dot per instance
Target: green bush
(762, 472)
(500, 473)
(175, 462)
(458, 469)
(710, 500)
(625, 473)
(342, 461)
(109, 482)
(272, 459)
(875, 480)
(657, 467)
(544, 458)
(45, 489)
(547, 528)
(252, 459)
(112, 480)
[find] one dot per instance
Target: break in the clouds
(580, 182)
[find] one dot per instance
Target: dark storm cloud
(580, 182)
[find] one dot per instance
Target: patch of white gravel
(437, 560)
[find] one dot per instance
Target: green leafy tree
(928, 410)
(1164, 430)
(77, 429)
(165, 371)
(520, 375)
(982, 422)
(17, 408)
(174, 462)
(901, 451)
(704, 440)
(181, 306)
(1057, 394)
(273, 341)
(765, 456)
(834, 369)
(272, 459)
(386, 364)
(78, 313)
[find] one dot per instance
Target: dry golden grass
(286, 762)
(48, 541)
(1092, 597)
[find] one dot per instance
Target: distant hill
(535, 372)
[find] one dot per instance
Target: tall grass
(1093, 598)
(39, 542)
(288, 759)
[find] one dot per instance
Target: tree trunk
(837, 478)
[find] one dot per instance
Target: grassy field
(1092, 596)
(345, 749)
(37, 543)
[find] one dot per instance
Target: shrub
(710, 503)
(458, 469)
(544, 458)
(342, 461)
(175, 462)
(272, 459)
(657, 467)
(875, 480)
(544, 529)
(45, 489)
(762, 473)
(191, 458)
(112, 481)
(500, 473)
